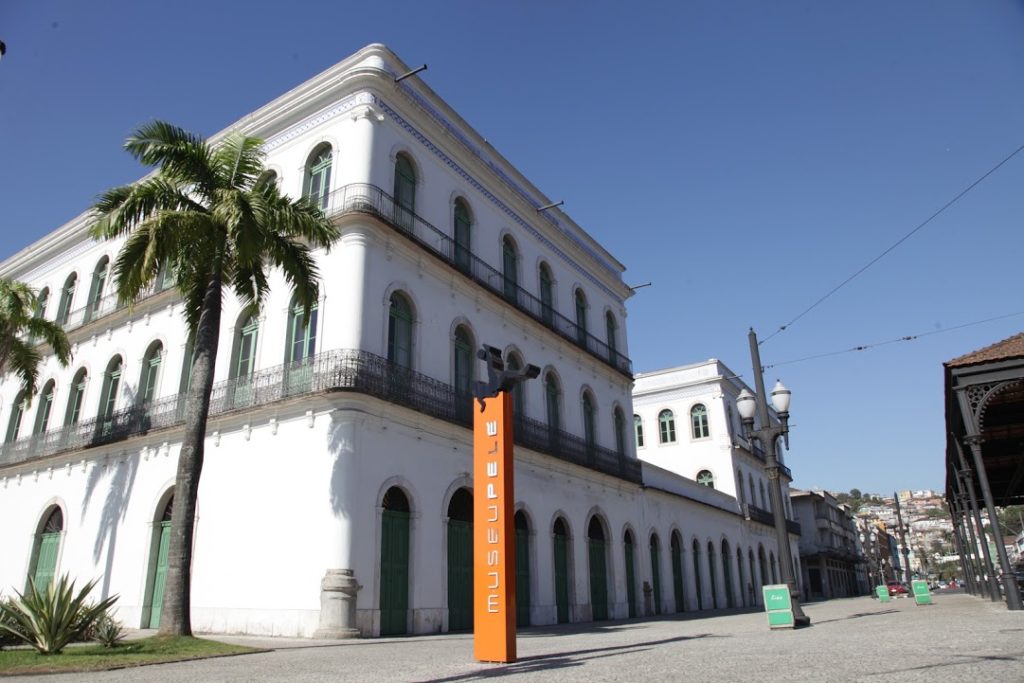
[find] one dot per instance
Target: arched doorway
(744, 589)
(597, 551)
(460, 561)
(522, 569)
(677, 572)
(763, 562)
(656, 572)
(752, 567)
(158, 563)
(630, 552)
(394, 563)
(44, 566)
(561, 543)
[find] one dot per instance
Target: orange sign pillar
(494, 548)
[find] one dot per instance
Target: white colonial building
(336, 492)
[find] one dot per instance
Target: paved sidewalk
(960, 638)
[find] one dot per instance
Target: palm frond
(239, 161)
(181, 155)
(23, 360)
(122, 208)
(299, 269)
(53, 334)
(297, 218)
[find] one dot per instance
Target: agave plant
(50, 618)
(108, 632)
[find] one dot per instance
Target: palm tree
(21, 324)
(216, 219)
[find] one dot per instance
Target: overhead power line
(907, 338)
(898, 242)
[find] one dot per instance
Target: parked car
(896, 588)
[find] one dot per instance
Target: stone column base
(338, 591)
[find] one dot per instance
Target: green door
(394, 572)
(561, 575)
(460, 575)
(160, 575)
(522, 576)
(677, 575)
(46, 563)
(630, 579)
(656, 575)
(696, 575)
(598, 579)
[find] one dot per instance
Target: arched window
(739, 487)
(611, 329)
(67, 299)
(45, 408)
(41, 300)
(301, 332)
(462, 363)
(317, 181)
(638, 431)
(553, 394)
(753, 492)
(518, 392)
(619, 420)
(108, 397)
(699, 421)
(589, 422)
(18, 409)
(581, 317)
(547, 295)
(400, 331)
(705, 478)
(96, 289)
(158, 564)
(150, 372)
(76, 398)
(405, 192)
(186, 367)
(667, 426)
(510, 269)
(47, 548)
(246, 336)
(463, 236)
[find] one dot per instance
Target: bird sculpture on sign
(499, 378)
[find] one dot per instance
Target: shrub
(107, 631)
(6, 638)
(50, 618)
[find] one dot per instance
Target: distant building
(828, 545)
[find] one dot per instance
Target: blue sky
(745, 157)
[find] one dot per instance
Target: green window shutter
(318, 178)
(67, 296)
(400, 332)
(547, 295)
(610, 330)
(302, 334)
(150, 369)
(460, 575)
(463, 238)
(630, 577)
(405, 193)
(598, 579)
(581, 317)
(667, 424)
(699, 421)
(518, 400)
(247, 349)
(561, 574)
(46, 562)
(112, 382)
(45, 407)
(589, 424)
(696, 575)
(522, 576)
(638, 429)
(394, 569)
(730, 598)
(17, 414)
(620, 432)
(712, 574)
(677, 574)
(160, 575)
(510, 270)
(656, 575)
(553, 400)
(75, 401)
(463, 361)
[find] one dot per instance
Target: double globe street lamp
(872, 553)
(767, 434)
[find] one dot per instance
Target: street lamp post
(768, 435)
(903, 540)
(872, 551)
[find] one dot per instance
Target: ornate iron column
(988, 569)
(966, 563)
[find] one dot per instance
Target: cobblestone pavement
(959, 638)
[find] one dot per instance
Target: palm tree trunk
(176, 614)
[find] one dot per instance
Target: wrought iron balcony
(338, 370)
(756, 514)
(370, 199)
(106, 305)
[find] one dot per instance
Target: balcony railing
(756, 514)
(338, 370)
(108, 304)
(370, 199)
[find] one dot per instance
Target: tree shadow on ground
(858, 616)
(562, 660)
(965, 659)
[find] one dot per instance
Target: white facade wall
(293, 488)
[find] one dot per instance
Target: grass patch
(154, 650)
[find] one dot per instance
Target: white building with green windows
(336, 494)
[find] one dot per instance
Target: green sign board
(922, 596)
(883, 593)
(779, 606)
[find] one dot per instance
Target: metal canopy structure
(984, 399)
